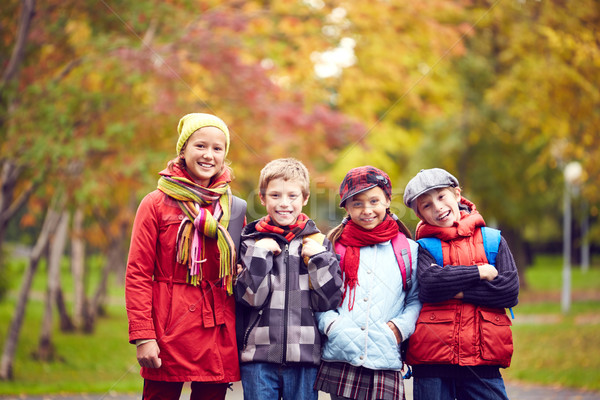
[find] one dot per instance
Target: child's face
(439, 207)
(367, 209)
(204, 154)
(284, 201)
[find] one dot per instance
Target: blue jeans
(262, 381)
(461, 389)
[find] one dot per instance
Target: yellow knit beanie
(190, 123)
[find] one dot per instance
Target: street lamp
(572, 173)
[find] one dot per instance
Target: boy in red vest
(463, 335)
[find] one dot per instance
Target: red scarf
(265, 224)
(354, 237)
(470, 220)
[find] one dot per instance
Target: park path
(516, 391)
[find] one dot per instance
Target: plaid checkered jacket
(278, 296)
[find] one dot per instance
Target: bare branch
(16, 58)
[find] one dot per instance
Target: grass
(555, 349)
(563, 354)
(102, 362)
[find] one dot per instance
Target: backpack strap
(341, 250)
(236, 221)
(403, 257)
(491, 243)
(317, 237)
(434, 246)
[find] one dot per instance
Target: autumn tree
(101, 94)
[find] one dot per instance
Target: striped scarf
(265, 224)
(194, 200)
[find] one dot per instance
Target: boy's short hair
(426, 180)
(288, 169)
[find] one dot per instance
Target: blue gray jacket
(361, 337)
(280, 295)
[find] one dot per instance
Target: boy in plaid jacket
(287, 276)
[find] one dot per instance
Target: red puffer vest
(455, 332)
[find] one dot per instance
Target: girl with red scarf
(181, 265)
(361, 356)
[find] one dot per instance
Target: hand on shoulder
(269, 244)
(310, 247)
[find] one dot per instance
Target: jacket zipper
(252, 325)
(286, 305)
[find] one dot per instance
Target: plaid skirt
(345, 380)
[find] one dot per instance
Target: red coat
(453, 331)
(194, 326)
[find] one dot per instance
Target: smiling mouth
(204, 165)
(444, 216)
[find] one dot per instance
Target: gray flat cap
(425, 180)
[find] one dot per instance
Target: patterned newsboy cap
(364, 178)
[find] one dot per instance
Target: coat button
(192, 307)
(180, 217)
(362, 357)
(497, 318)
(362, 328)
(366, 299)
(432, 317)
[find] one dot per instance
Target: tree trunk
(114, 257)
(56, 249)
(18, 53)
(66, 322)
(95, 306)
(9, 206)
(77, 268)
(120, 267)
(10, 172)
(12, 338)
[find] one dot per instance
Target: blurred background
(503, 94)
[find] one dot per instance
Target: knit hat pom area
(364, 178)
(190, 123)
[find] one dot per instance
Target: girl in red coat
(181, 267)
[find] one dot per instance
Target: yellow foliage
(94, 81)
(79, 33)
(143, 93)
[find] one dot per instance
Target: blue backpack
(491, 243)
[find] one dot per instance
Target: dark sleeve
(253, 284)
(325, 279)
(439, 284)
(502, 291)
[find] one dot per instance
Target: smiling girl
(361, 355)
(181, 266)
